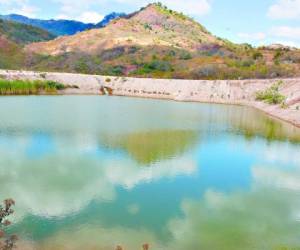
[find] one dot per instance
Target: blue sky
(256, 21)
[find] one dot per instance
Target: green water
(96, 172)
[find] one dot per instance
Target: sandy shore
(241, 92)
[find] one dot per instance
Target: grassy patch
(26, 87)
(271, 95)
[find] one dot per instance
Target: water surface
(95, 172)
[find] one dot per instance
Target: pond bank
(239, 92)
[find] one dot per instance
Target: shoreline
(234, 92)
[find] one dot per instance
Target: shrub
(111, 54)
(171, 53)
(147, 26)
(271, 95)
(117, 70)
(81, 66)
(257, 55)
(207, 71)
(159, 65)
(186, 56)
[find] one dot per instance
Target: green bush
(147, 26)
(257, 55)
(117, 70)
(81, 66)
(154, 66)
(186, 56)
(271, 95)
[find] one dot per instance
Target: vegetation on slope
(210, 62)
(22, 33)
(11, 54)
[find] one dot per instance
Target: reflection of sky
(221, 165)
(68, 180)
(40, 145)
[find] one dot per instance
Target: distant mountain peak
(106, 20)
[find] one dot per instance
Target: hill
(152, 26)
(11, 54)
(22, 33)
(61, 27)
(13, 37)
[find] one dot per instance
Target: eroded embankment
(242, 92)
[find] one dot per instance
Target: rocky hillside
(22, 33)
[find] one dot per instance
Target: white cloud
(288, 43)
(191, 7)
(284, 35)
(90, 17)
(25, 10)
(85, 17)
(21, 7)
(285, 9)
(253, 36)
(286, 32)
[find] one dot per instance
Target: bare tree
(7, 242)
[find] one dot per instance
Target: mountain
(56, 27)
(61, 27)
(22, 33)
(106, 20)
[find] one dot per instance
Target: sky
(256, 22)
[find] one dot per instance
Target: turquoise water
(95, 172)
